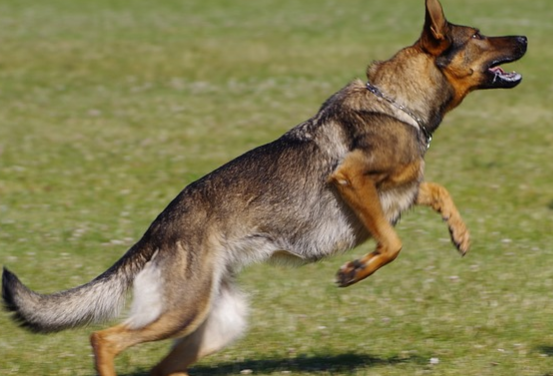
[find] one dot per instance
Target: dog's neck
(412, 119)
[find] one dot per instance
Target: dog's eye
(477, 35)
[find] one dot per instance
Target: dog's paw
(349, 273)
(459, 235)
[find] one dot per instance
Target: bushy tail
(95, 301)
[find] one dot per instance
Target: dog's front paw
(349, 273)
(459, 235)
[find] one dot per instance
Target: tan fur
(332, 182)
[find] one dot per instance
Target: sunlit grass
(109, 108)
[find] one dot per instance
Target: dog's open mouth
(499, 78)
(512, 48)
(500, 74)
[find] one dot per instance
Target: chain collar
(427, 135)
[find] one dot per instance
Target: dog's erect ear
(435, 35)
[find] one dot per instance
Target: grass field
(108, 108)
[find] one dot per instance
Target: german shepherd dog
(324, 187)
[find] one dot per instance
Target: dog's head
(468, 59)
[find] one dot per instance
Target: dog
(324, 187)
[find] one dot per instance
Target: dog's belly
(329, 235)
(308, 235)
(319, 228)
(336, 230)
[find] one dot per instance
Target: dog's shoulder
(365, 121)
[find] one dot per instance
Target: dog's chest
(396, 200)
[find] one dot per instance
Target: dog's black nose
(522, 44)
(522, 40)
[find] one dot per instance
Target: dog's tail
(95, 301)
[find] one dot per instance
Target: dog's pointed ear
(435, 35)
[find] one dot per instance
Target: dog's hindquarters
(225, 322)
(189, 289)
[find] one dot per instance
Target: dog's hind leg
(107, 344)
(438, 198)
(226, 321)
(181, 302)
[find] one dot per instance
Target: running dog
(324, 187)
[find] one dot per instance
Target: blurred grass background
(109, 107)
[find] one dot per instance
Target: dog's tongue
(497, 70)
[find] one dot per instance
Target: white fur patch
(396, 201)
(147, 302)
(226, 321)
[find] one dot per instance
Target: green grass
(108, 108)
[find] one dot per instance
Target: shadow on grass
(343, 363)
(547, 350)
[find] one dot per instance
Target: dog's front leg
(357, 187)
(438, 198)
